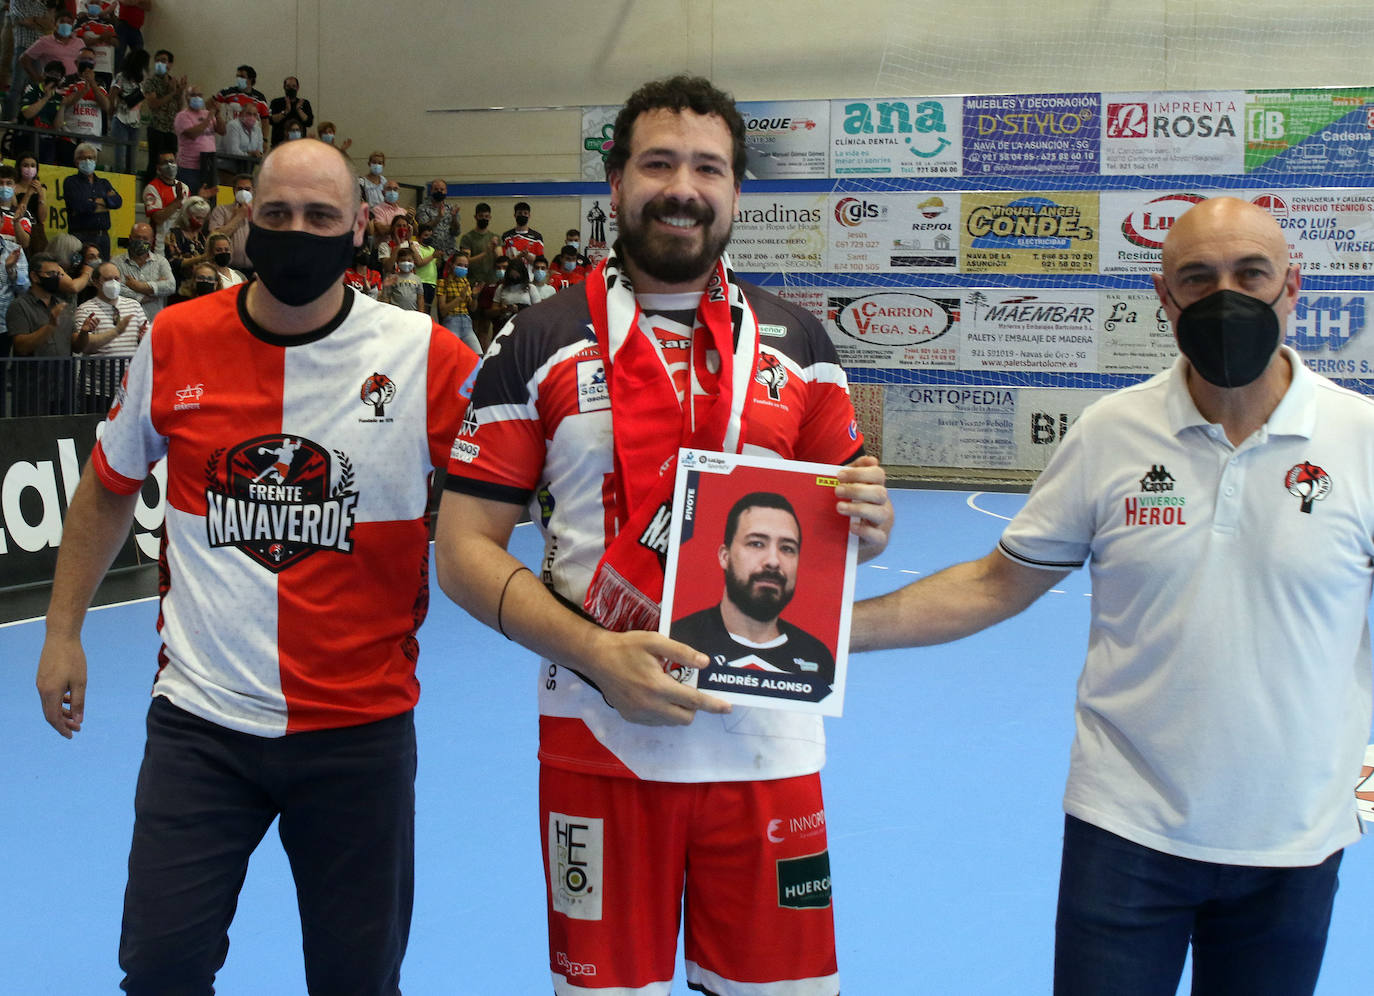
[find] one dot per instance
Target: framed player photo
(760, 578)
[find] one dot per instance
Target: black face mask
(437, 195)
(206, 287)
(298, 267)
(521, 220)
(1229, 337)
(81, 67)
(223, 258)
(50, 282)
(483, 223)
(137, 247)
(291, 92)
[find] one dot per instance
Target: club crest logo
(1308, 482)
(377, 391)
(772, 375)
(279, 499)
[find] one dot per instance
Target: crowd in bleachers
(82, 92)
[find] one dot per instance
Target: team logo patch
(188, 397)
(1308, 482)
(377, 391)
(804, 883)
(772, 375)
(592, 393)
(279, 499)
(576, 865)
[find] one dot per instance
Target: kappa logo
(377, 391)
(593, 395)
(772, 375)
(280, 499)
(1157, 479)
(1128, 121)
(1308, 482)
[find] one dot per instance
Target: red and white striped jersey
(538, 432)
(294, 568)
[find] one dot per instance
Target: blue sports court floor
(942, 787)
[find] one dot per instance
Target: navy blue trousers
(206, 796)
(1127, 914)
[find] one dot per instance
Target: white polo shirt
(1225, 702)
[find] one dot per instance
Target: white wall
(390, 73)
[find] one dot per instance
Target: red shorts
(746, 861)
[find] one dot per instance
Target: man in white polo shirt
(1225, 506)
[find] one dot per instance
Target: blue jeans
(1128, 912)
(461, 326)
(205, 798)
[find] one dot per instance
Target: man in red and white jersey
(522, 241)
(651, 789)
(301, 422)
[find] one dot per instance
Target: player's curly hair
(677, 93)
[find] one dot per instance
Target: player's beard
(762, 604)
(666, 257)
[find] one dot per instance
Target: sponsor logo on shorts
(574, 969)
(804, 883)
(576, 865)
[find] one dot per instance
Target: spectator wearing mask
(456, 300)
(29, 20)
(517, 291)
(329, 135)
(427, 260)
(186, 239)
(203, 280)
(440, 213)
(361, 277)
(163, 198)
(79, 262)
(41, 104)
(90, 199)
(196, 128)
(94, 25)
(491, 314)
(384, 215)
(403, 288)
(126, 95)
(85, 106)
(572, 237)
(399, 238)
(564, 271)
(539, 278)
(163, 93)
(221, 254)
(290, 112)
(242, 142)
(39, 323)
(244, 92)
(60, 46)
(483, 249)
(146, 275)
(522, 242)
(372, 184)
(32, 196)
(232, 220)
(15, 230)
(113, 325)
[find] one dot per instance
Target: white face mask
(110, 288)
(243, 196)
(405, 267)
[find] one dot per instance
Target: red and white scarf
(645, 410)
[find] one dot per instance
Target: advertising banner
(1028, 233)
(1329, 231)
(1169, 134)
(598, 124)
(950, 426)
(1014, 134)
(787, 139)
(894, 327)
(1134, 223)
(1331, 333)
(1048, 330)
(909, 136)
(1043, 416)
(1135, 336)
(779, 233)
(1309, 131)
(877, 232)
